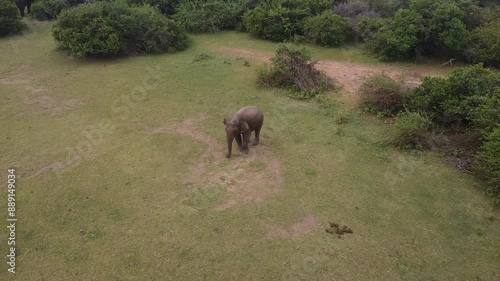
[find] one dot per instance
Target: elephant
(242, 123)
(21, 4)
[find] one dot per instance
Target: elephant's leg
(246, 140)
(29, 7)
(21, 11)
(238, 141)
(256, 139)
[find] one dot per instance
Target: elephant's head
(234, 128)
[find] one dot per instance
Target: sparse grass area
(413, 216)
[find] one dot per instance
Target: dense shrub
(327, 29)
(451, 101)
(487, 111)
(412, 130)
(368, 27)
(167, 7)
(383, 95)
(201, 16)
(426, 27)
(485, 43)
(111, 28)
(488, 163)
(281, 20)
(292, 68)
(47, 9)
(10, 21)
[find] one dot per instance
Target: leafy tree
(201, 16)
(280, 20)
(10, 21)
(327, 29)
(426, 27)
(485, 43)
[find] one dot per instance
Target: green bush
(369, 27)
(47, 9)
(292, 68)
(281, 20)
(412, 130)
(427, 27)
(167, 7)
(485, 114)
(10, 21)
(112, 28)
(487, 163)
(485, 43)
(203, 16)
(383, 95)
(451, 101)
(328, 29)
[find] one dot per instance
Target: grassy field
(122, 176)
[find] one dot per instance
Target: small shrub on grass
(112, 28)
(488, 163)
(328, 29)
(47, 9)
(292, 68)
(10, 21)
(412, 130)
(382, 95)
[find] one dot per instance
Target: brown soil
(305, 226)
(247, 177)
(349, 75)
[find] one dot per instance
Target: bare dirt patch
(247, 178)
(349, 75)
(303, 227)
(47, 102)
(37, 96)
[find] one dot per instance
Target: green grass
(124, 212)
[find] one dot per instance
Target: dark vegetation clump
(10, 20)
(465, 106)
(488, 163)
(467, 98)
(167, 7)
(328, 29)
(292, 68)
(282, 20)
(335, 228)
(114, 28)
(207, 16)
(48, 9)
(382, 95)
(485, 43)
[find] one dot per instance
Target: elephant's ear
(244, 126)
(225, 121)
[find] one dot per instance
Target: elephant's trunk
(230, 138)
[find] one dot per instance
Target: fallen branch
(450, 62)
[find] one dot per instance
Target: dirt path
(349, 75)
